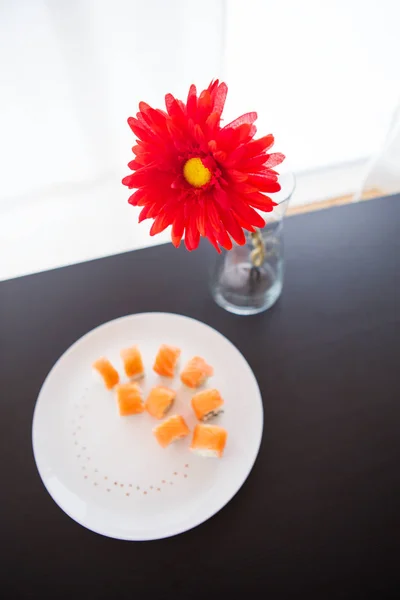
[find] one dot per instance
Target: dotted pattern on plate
(103, 481)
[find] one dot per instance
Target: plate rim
(196, 522)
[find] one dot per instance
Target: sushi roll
(133, 363)
(196, 372)
(129, 398)
(166, 360)
(207, 404)
(159, 401)
(107, 371)
(209, 441)
(172, 429)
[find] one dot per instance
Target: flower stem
(257, 256)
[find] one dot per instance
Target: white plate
(107, 472)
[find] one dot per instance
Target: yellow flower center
(196, 173)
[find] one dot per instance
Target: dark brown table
(319, 515)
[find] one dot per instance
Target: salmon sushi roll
(133, 363)
(196, 372)
(109, 374)
(129, 398)
(209, 441)
(172, 429)
(207, 404)
(159, 401)
(166, 360)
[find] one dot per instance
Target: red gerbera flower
(201, 178)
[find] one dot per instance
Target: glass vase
(248, 279)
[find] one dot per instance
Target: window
(323, 77)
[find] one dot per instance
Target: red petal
(212, 214)
(192, 235)
(224, 240)
(155, 118)
(169, 100)
(219, 99)
(171, 104)
(152, 210)
(191, 105)
(141, 132)
(138, 198)
(264, 174)
(212, 121)
(141, 177)
(127, 181)
(244, 187)
(144, 107)
(227, 139)
(142, 155)
(265, 183)
(237, 176)
(244, 224)
(201, 218)
(178, 228)
(253, 131)
(199, 135)
(134, 164)
(204, 99)
(212, 88)
(243, 132)
(247, 118)
(144, 213)
(220, 156)
(137, 149)
(232, 227)
(203, 106)
(234, 159)
(246, 213)
(210, 235)
(174, 131)
(260, 201)
(255, 147)
(161, 222)
(222, 199)
(254, 163)
(144, 121)
(274, 159)
(177, 114)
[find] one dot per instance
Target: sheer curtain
(323, 77)
(383, 170)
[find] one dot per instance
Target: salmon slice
(166, 360)
(133, 363)
(196, 372)
(159, 401)
(207, 404)
(209, 441)
(172, 429)
(129, 398)
(107, 371)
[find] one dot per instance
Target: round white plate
(108, 472)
